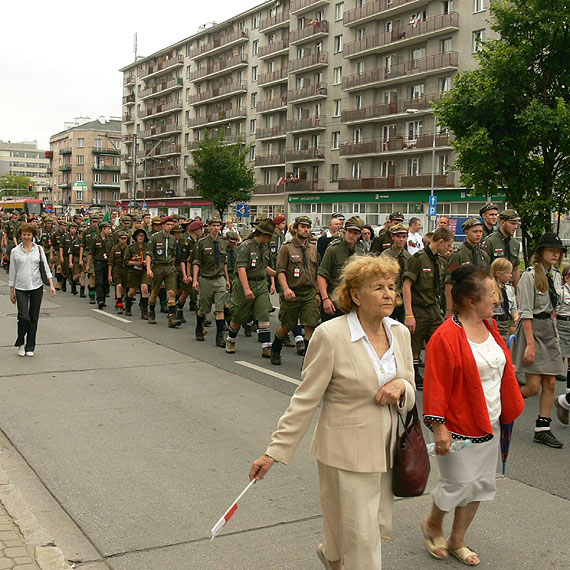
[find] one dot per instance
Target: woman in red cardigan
(470, 388)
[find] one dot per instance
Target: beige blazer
(353, 432)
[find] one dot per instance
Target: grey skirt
(564, 331)
(548, 359)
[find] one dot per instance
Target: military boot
(172, 321)
(266, 352)
(82, 291)
(163, 306)
(73, 287)
(151, 317)
(144, 308)
(220, 341)
(200, 333)
(275, 356)
(128, 307)
(64, 285)
(180, 316)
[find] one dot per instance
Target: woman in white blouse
(360, 364)
(26, 287)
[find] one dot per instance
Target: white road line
(110, 315)
(270, 372)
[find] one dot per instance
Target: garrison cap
(510, 215)
(104, 225)
(303, 220)
(157, 220)
(214, 218)
(122, 233)
(354, 223)
(125, 218)
(136, 218)
(487, 207)
(232, 236)
(396, 216)
(73, 225)
(265, 226)
(196, 225)
(471, 223)
(177, 228)
(399, 229)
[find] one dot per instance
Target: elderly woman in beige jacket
(360, 364)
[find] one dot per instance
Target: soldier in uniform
(146, 223)
(210, 279)
(60, 260)
(399, 252)
(233, 238)
(117, 269)
(489, 212)
(47, 237)
(194, 231)
(99, 252)
(160, 269)
(86, 238)
(73, 256)
(156, 225)
(134, 260)
(335, 226)
(277, 239)
(12, 231)
(183, 286)
(330, 269)
(124, 226)
(502, 242)
(470, 252)
(299, 298)
(384, 238)
(421, 290)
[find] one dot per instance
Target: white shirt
(25, 268)
(384, 367)
(415, 242)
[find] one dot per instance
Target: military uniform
(211, 256)
(116, 263)
(401, 257)
(188, 243)
(161, 250)
(465, 255)
(497, 245)
(136, 274)
(381, 242)
(100, 250)
(86, 238)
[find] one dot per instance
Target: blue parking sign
(432, 210)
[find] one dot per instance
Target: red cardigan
(453, 393)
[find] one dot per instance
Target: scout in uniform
(210, 279)
(421, 290)
(124, 226)
(160, 269)
(134, 261)
(384, 238)
(489, 212)
(194, 231)
(183, 287)
(332, 264)
(86, 238)
(12, 231)
(299, 298)
(232, 238)
(399, 252)
(249, 291)
(502, 243)
(277, 239)
(72, 251)
(99, 251)
(117, 269)
(60, 260)
(470, 252)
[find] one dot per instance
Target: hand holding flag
(229, 513)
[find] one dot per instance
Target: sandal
(463, 553)
(434, 544)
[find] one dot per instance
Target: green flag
(106, 217)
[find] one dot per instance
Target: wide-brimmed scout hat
(550, 239)
(265, 226)
(140, 231)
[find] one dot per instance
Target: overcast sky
(60, 60)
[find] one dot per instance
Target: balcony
(65, 168)
(219, 44)
(270, 160)
(219, 117)
(162, 88)
(314, 31)
(309, 93)
(300, 6)
(272, 132)
(375, 112)
(268, 189)
(273, 49)
(129, 99)
(155, 69)
(218, 93)
(160, 172)
(414, 67)
(65, 185)
(274, 22)
(106, 185)
(125, 176)
(101, 167)
(307, 124)
(270, 105)
(309, 62)
(219, 68)
(128, 80)
(396, 144)
(161, 109)
(306, 155)
(297, 185)
(165, 150)
(402, 36)
(379, 8)
(112, 150)
(63, 151)
(128, 118)
(228, 139)
(273, 77)
(158, 131)
(397, 181)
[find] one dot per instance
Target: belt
(162, 263)
(542, 316)
(501, 318)
(213, 277)
(256, 278)
(562, 318)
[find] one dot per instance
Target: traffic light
(30, 186)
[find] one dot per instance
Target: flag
(281, 181)
(106, 217)
(224, 519)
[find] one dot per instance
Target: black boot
(151, 316)
(275, 355)
(144, 308)
(128, 306)
(82, 291)
(419, 378)
(73, 287)
(64, 284)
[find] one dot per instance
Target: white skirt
(468, 475)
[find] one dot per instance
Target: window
(255, 21)
(359, 35)
(254, 73)
(115, 196)
(335, 140)
(445, 84)
(445, 45)
(358, 101)
(360, 67)
(97, 178)
(388, 26)
(252, 123)
(479, 5)
(357, 135)
(98, 144)
(356, 169)
(116, 178)
(387, 168)
(337, 75)
(334, 172)
(80, 143)
(255, 47)
(80, 177)
(253, 100)
(413, 166)
(418, 18)
(116, 161)
(271, 66)
(443, 162)
(338, 44)
(447, 6)
(252, 153)
(478, 39)
(337, 107)
(415, 128)
(417, 91)
(339, 11)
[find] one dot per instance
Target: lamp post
(145, 158)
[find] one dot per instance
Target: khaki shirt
(161, 248)
(299, 263)
(116, 257)
(381, 242)
(494, 245)
(205, 256)
(187, 245)
(100, 248)
(464, 256)
(232, 260)
(275, 246)
(255, 257)
(401, 257)
(135, 252)
(74, 246)
(421, 269)
(336, 256)
(531, 300)
(86, 239)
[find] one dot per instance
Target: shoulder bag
(43, 270)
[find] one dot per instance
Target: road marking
(110, 315)
(270, 372)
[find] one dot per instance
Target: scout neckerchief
(505, 302)
(434, 257)
(552, 290)
(476, 253)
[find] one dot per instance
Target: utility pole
(134, 184)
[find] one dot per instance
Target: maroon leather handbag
(411, 462)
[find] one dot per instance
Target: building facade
(85, 165)
(335, 98)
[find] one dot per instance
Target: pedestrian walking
(86, 238)
(137, 277)
(194, 231)
(26, 287)
(335, 226)
(537, 352)
(72, 250)
(99, 252)
(61, 260)
(506, 313)
(117, 270)
(415, 240)
(562, 402)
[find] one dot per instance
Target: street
(128, 442)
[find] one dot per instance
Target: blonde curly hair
(358, 271)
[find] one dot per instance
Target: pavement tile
(15, 551)
(6, 563)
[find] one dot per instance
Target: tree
(511, 116)
(11, 183)
(222, 173)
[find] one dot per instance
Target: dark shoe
(164, 308)
(192, 307)
(220, 340)
(180, 316)
(275, 357)
(144, 315)
(247, 330)
(120, 311)
(73, 287)
(287, 341)
(92, 300)
(561, 412)
(207, 323)
(300, 346)
(100, 305)
(266, 352)
(230, 347)
(200, 334)
(152, 317)
(548, 438)
(64, 285)
(226, 328)
(172, 321)
(82, 292)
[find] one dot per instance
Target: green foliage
(222, 173)
(14, 182)
(511, 116)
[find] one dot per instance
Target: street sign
(432, 210)
(433, 201)
(144, 206)
(242, 210)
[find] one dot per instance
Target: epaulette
(417, 254)
(335, 241)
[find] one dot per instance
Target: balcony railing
(406, 32)
(316, 29)
(64, 151)
(162, 65)
(161, 109)
(395, 144)
(308, 154)
(109, 150)
(125, 175)
(161, 87)
(273, 47)
(307, 124)
(405, 68)
(273, 77)
(270, 160)
(65, 168)
(268, 189)
(299, 5)
(397, 181)
(165, 150)
(160, 172)
(219, 67)
(220, 42)
(129, 99)
(374, 8)
(128, 118)
(318, 59)
(271, 104)
(272, 132)
(383, 109)
(161, 130)
(273, 21)
(218, 92)
(219, 116)
(106, 167)
(228, 139)
(310, 92)
(305, 185)
(129, 80)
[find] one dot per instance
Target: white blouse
(25, 268)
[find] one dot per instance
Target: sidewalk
(15, 553)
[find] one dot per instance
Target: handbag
(43, 271)
(411, 462)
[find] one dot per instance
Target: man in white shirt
(415, 241)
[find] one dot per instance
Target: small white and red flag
(229, 513)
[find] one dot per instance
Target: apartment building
(85, 164)
(334, 97)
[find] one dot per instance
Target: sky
(60, 60)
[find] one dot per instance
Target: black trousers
(29, 303)
(101, 279)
